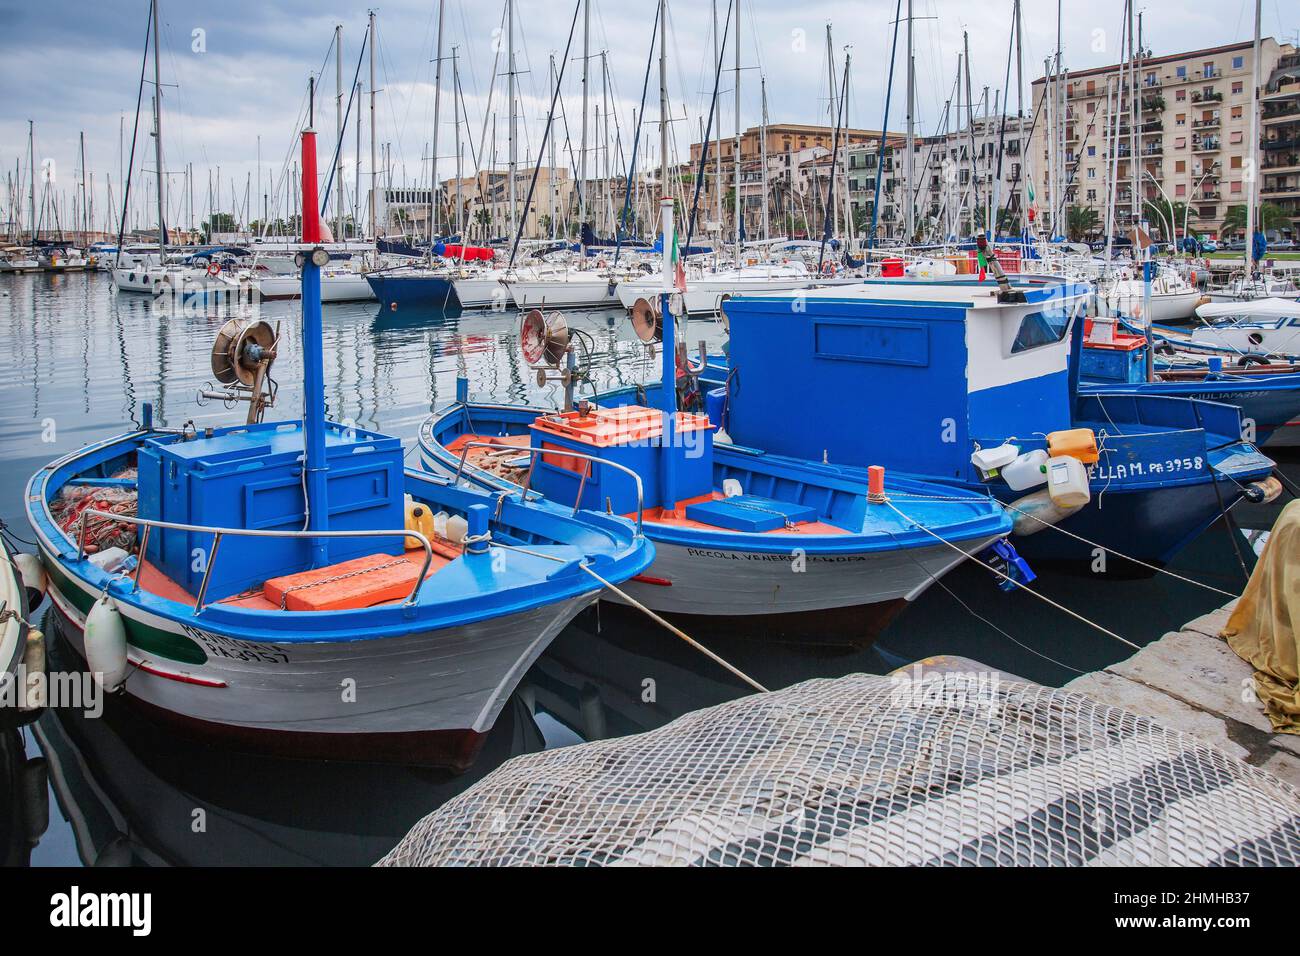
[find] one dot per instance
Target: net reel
(242, 355)
(550, 347)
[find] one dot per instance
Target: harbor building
(1193, 148)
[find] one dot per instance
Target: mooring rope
(1006, 577)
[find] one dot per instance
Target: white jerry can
(1067, 481)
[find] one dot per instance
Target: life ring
(214, 269)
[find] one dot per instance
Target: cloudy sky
(234, 73)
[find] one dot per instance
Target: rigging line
(550, 118)
(338, 147)
(677, 631)
(126, 191)
(708, 131)
(636, 139)
(1006, 577)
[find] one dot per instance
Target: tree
(1271, 216)
(1080, 222)
(219, 222)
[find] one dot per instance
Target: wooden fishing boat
(289, 586)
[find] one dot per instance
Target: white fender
(1039, 512)
(106, 644)
(34, 580)
(36, 695)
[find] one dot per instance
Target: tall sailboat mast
(338, 127)
(437, 119)
(1252, 190)
(909, 209)
(157, 142)
(510, 105)
(374, 231)
(582, 146)
(739, 204)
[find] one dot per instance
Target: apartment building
(1280, 139)
(1192, 134)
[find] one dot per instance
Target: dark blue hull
(1267, 403)
(397, 289)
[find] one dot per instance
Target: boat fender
(34, 580)
(1036, 511)
(106, 644)
(34, 795)
(1263, 491)
(34, 663)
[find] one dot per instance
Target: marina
(646, 489)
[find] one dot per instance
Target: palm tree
(1271, 216)
(1080, 222)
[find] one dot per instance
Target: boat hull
(427, 697)
(565, 294)
(1165, 306)
(408, 290)
(333, 288)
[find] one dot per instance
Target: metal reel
(239, 349)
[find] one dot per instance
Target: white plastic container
(731, 488)
(1067, 481)
(458, 527)
(1027, 471)
(989, 460)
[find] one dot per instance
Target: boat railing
(218, 533)
(533, 454)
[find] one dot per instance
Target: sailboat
(289, 586)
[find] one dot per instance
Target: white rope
(1151, 567)
(1020, 585)
(680, 633)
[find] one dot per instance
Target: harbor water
(82, 361)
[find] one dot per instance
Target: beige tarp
(1265, 625)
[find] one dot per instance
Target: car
(1209, 245)
(1236, 245)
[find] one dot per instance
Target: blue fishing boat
(957, 380)
(784, 547)
(1267, 395)
(290, 586)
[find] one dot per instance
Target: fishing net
(913, 769)
(101, 533)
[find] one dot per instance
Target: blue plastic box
(251, 477)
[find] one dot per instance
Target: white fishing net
(956, 768)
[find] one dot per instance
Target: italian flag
(679, 268)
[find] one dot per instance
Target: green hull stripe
(146, 637)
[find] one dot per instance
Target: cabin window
(1044, 327)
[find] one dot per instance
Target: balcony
(1207, 145)
(1153, 104)
(1281, 114)
(1211, 123)
(1212, 97)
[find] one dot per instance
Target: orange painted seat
(360, 582)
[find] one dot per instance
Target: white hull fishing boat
(287, 585)
(791, 548)
(1258, 327)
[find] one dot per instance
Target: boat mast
(909, 211)
(832, 110)
(550, 150)
(1251, 183)
(338, 126)
(717, 153)
(1020, 125)
(316, 465)
(157, 143)
(510, 106)
(763, 155)
(374, 232)
(455, 103)
(736, 151)
(437, 107)
(31, 169)
(582, 147)
(1135, 160)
